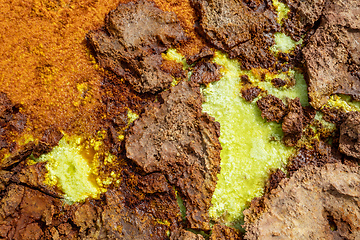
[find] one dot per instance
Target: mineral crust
(131, 44)
(243, 32)
(315, 203)
(332, 55)
(174, 137)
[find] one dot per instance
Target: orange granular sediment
(46, 66)
(44, 62)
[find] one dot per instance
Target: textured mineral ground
(315, 203)
(272, 108)
(135, 81)
(174, 137)
(349, 135)
(132, 46)
(239, 29)
(332, 55)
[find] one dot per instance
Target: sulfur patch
(281, 9)
(284, 43)
(72, 166)
(251, 146)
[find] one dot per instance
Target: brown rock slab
(243, 32)
(174, 137)
(185, 235)
(292, 125)
(332, 55)
(205, 52)
(221, 232)
(272, 108)
(12, 122)
(250, 93)
(350, 135)
(302, 16)
(206, 72)
(132, 41)
(315, 203)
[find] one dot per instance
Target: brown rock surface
(292, 125)
(174, 137)
(317, 154)
(243, 32)
(350, 135)
(12, 122)
(250, 93)
(302, 16)
(274, 180)
(120, 221)
(185, 235)
(272, 108)
(206, 72)
(221, 232)
(174, 68)
(205, 52)
(278, 82)
(332, 55)
(131, 44)
(315, 203)
(125, 213)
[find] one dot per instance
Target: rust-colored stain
(45, 63)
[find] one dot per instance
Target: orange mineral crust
(45, 64)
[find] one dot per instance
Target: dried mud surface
(315, 203)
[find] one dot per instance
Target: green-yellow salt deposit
(132, 116)
(172, 55)
(298, 90)
(282, 10)
(343, 103)
(72, 166)
(251, 146)
(249, 151)
(284, 43)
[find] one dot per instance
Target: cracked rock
(132, 41)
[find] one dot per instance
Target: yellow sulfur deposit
(173, 55)
(251, 146)
(281, 9)
(284, 43)
(72, 166)
(249, 149)
(343, 103)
